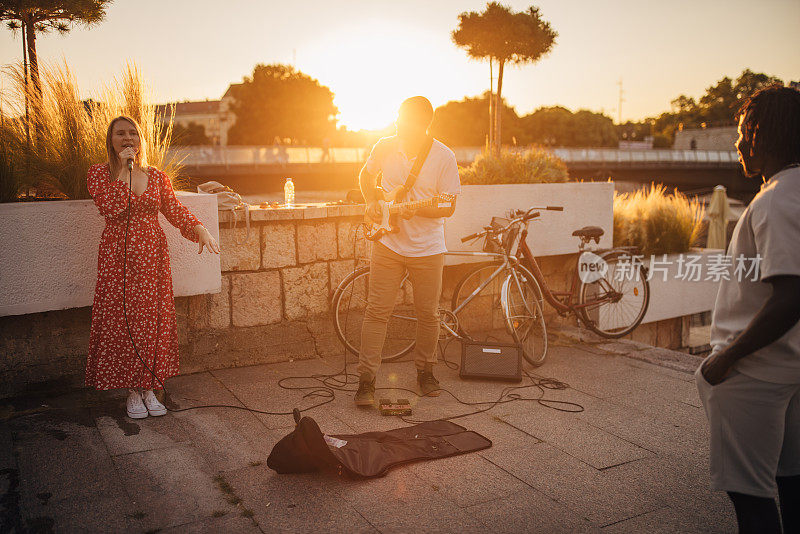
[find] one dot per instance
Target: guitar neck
(414, 204)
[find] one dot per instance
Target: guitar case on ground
(371, 454)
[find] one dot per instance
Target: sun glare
(373, 67)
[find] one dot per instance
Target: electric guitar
(390, 210)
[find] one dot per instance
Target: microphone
(130, 164)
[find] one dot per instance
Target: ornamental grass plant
(532, 166)
(63, 134)
(9, 179)
(655, 221)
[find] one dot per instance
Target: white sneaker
(136, 408)
(154, 407)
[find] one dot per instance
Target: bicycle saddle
(589, 232)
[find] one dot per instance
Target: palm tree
(42, 16)
(498, 34)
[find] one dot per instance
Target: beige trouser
(755, 432)
(385, 274)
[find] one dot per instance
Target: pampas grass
(532, 166)
(656, 222)
(68, 133)
(9, 178)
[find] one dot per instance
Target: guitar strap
(415, 169)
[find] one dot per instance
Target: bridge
(300, 159)
(250, 169)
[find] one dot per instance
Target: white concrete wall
(48, 254)
(675, 297)
(585, 204)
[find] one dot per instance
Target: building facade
(214, 116)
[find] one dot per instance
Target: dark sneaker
(428, 384)
(365, 396)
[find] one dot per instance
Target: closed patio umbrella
(719, 211)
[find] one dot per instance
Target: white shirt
(418, 236)
(769, 228)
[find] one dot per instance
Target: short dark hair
(417, 108)
(771, 125)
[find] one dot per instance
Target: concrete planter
(673, 296)
(49, 254)
(585, 204)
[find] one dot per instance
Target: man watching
(750, 384)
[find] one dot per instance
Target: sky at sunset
(373, 54)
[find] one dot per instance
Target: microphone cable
(158, 322)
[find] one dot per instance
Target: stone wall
(717, 138)
(276, 286)
(273, 306)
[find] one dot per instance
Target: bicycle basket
(507, 240)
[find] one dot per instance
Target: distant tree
(635, 131)
(720, 102)
(498, 34)
(593, 129)
(463, 122)
(749, 82)
(558, 126)
(549, 126)
(42, 16)
(684, 104)
(191, 134)
(662, 141)
(279, 101)
(717, 107)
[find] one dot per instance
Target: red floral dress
(149, 302)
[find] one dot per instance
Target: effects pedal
(401, 407)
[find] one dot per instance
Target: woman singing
(139, 266)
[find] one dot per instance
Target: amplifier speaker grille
(491, 360)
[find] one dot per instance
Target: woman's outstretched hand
(205, 239)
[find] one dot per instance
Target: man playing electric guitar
(417, 245)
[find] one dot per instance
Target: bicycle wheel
(614, 305)
(522, 308)
(348, 305)
(481, 318)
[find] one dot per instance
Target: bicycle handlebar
(528, 216)
(473, 236)
(521, 216)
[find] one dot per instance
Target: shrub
(656, 222)
(662, 141)
(68, 134)
(529, 167)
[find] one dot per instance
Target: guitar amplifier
(496, 361)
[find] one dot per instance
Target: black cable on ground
(328, 384)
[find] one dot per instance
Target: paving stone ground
(634, 460)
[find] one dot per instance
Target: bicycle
(508, 303)
(501, 298)
(611, 305)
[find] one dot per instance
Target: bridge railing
(227, 156)
(266, 155)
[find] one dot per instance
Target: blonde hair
(113, 158)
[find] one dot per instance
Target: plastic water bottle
(288, 193)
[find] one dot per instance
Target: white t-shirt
(418, 236)
(770, 229)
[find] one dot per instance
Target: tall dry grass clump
(53, 149)
(655, 221)
(532, 166)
